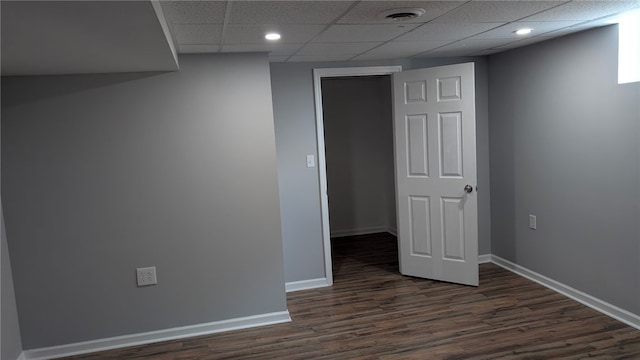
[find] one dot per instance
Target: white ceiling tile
(573, 29)
(282, 49)
(307, 58)
(607, 20)
(465, 48)
(337, 48)
(446, 31)
(448, 28)
(495, 11)
(384, 56)
(472, 46)
(584, 10)
(194, 12)
(355, 33)
(277, 58)
(483, 44)
(254, 34)
(407, 47)
(539, 27)
(524, 42)
(198, 49)
(443, 54)
(488, 52)
(366, 12)
(197, 34)
(287, 12)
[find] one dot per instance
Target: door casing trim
(318, 74)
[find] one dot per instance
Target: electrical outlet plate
(146, 276)
(532, 222)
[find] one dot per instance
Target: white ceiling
(71, 37)
(352, 30)
(75, 37)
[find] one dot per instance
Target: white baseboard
(156, 336)
(358, 231)
(604, 307)
(610, 310)
(322, 282)
(392, 231)
(306, 284)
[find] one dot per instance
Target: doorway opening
(358, 135)
(376, 74)
(435, 166)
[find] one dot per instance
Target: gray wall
(565, 139)
(294, 113)
(10, 340)
(358, 136)
(106, 173)
(10, 330)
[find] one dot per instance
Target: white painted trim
(356, 71)
(306, 284)
(604, 307)
(322, 282)
(359, 231)
(157, 336)
(318, 74)
(22, 356)
(392, 231)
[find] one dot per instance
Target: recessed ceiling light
(272, 36)
(523, 31)
(401, 14)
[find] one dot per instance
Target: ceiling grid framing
(353, 30)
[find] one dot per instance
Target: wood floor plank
(373, 312)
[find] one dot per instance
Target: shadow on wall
(67, 85)
(359, 151)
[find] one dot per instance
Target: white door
(435, 145)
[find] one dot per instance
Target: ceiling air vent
(402, 14)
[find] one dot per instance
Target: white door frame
(318, 74)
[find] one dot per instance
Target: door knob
(468, 189)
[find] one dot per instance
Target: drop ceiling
(352, 30)
(67, 37)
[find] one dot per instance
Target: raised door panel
(420, 225)
(452, 213)
(450, 140)
(417, 139)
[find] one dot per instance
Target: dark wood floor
(372, 312)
